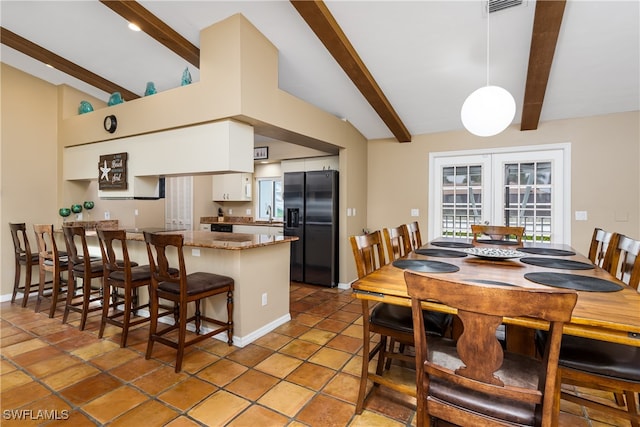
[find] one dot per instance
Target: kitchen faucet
(269, 214)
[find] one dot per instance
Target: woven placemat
(564, 264)
(425, 266)
(546, 251)
(497, 242)
(442, 253)
(573, 281)
(450, 244)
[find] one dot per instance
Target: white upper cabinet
(232, 187)
(310, 164)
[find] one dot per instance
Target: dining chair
(396, 241)
(183, 288)
(23, 257)
(81, 266)
(413, 229)
(473, 381)
(391, 322)
(622, 259)
(120, 273)
(50, 261)
(602, 365)
(497, 232)
(599, 244)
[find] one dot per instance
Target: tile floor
(304, 373)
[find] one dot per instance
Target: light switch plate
(581, 215)
(415, 212)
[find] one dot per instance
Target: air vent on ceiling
(496, 5)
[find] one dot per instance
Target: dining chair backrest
(497, 232)
(368, 252)
(457, 382)
(21, 245)
(396, 240)
(623, 260)
(115, 255)
(413, 229)
(47, 247)
(23, 256)
(74, 237)
(599, 244)
(159, 250)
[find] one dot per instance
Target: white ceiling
(426, 56)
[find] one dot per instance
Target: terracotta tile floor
(305, 373)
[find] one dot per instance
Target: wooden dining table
(612, 315)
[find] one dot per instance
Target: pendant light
(490, 109)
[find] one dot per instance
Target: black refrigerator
(311, 214)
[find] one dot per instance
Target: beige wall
(604, 172)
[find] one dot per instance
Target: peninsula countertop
(216, 240)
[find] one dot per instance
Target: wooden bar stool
(24, 257)
(81, 266)
(119, 272)
(182, 289)
(49, 260)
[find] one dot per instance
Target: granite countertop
(216, 240)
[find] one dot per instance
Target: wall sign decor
(260, 153)
(112, 172)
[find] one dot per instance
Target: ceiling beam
(546, 27)
(323, 24)
(45, 56)
(135, 13)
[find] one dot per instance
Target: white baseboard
(237, 340)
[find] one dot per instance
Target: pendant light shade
(488, 111)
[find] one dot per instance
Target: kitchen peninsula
(259, 265)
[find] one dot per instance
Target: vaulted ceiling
(391, 68)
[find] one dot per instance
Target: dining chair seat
(599, 357)
(516, 370)
(197, 283)
(94, 267)
(138, 272)
(399, 318)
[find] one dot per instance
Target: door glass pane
(528, 196)
(461, 199)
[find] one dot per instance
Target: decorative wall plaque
(260, 153)
(112, 172)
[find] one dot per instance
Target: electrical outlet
(107, 215)
(581, 215)
(230, 211)
(135, 212)
(195, 252)
(264, 299)
(248, 212)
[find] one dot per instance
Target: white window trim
(566, 170)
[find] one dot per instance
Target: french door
(528, 186)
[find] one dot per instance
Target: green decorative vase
(76, 208)
(89, 205)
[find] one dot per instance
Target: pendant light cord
(487, 42)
